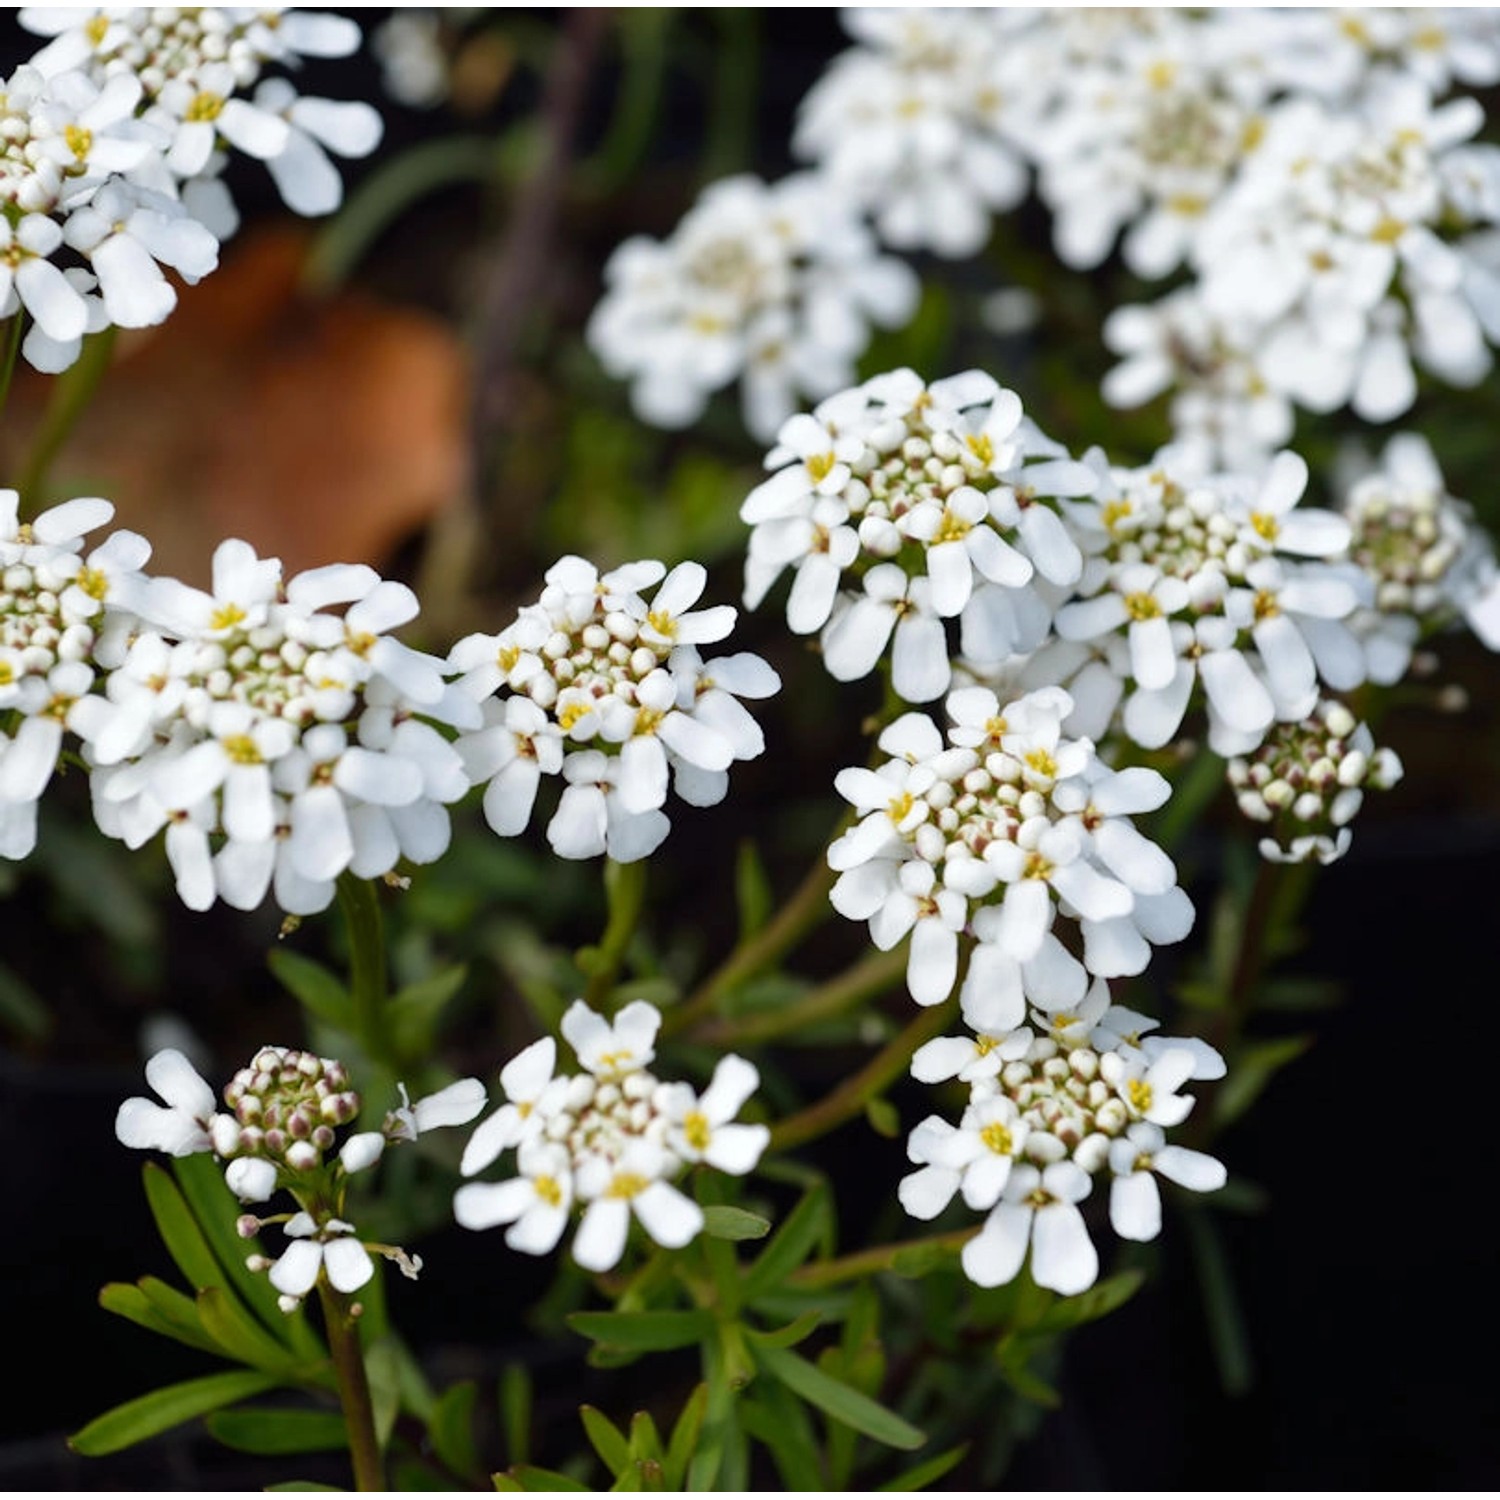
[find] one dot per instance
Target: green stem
(874, 974)
(12, 353)
(74, 390)
(851, 1097)
(354, 1388)
(368, 987)
(625, 892)
(806, 909)
(864, 1263)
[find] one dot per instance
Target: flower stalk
(340, 1319)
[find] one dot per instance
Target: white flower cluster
(284, 1111)
(277, 741)
(901, 505)
(1205, 581)
(1429, 561)
(776, 285)
(1003, 831)
(609, 1138)
(112, 141)
(63, 615)
(1083, 1095)
(1308, 779)
(610, 692)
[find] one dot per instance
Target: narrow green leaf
(132, 1302)
(525, 1477)
(1015, 1353)
(263, 1429)
(779, 1423)
(725, 1222)
(609, 1442)
(793, 1333)
(201, 1182)
(921, 1477)
(684, 1440)
(244, 1338)
(1252, 1068)
(841, 1402)
(179, 1230)
(752, 889)
(884, 1118)
(643, 1331)
(318, 989)
(645, 1440)
(21, 1008)
(1087, 1307)
(515, 1411)
(916, 1261)
(451, 1427)
(792, 1243)
(1228, 1336)
(169, 1407)
(383, 1366)
(413, 1013)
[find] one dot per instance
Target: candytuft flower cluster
(278, 1132)
(610, 1139)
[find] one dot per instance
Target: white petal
(1063, 1257)
(297, 1271)
(671, 1219)
(1135, 1206)
(994, 1256)
(179, 1083)
(600, 1241)
(348, 1262)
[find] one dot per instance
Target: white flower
(535, 1204)
(455, 1104)
(614, 1190)
(330, 1248)
(1134, 1158)
(1038, 1212)
(531, 1093)
(700, 1128)
(183, 1127)
(609, 1049)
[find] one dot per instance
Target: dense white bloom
(777, 284)
(64, 615)
(915, 125)
(1429, 561)
(609, 1139)
(1002, 832)
(278, 742)
(612, 693)
(901, 505)
(1206, 581)
(1067, 1099)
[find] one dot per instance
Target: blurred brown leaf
(319, 430)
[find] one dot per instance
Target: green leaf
(21, 1008)
(643, 1332)
(841, 1402)
(1101, 1299)
(383, 1366)
(645, 1440)
(724, 1222)
(515, 1411)
(1252, 1068)
(527, 1478)
(609, 1442)
(201, 1182)
(779, 1421)
(793, 1333)
(1228, 1336)
(451, 1428)
(1015, 1353)
(752, 889)
(684, 1440)
(884, 1118)
(227, 1322)
(318, 989)
(264, 1429)
(134, 1303)
(918, 1260)
(792, 1243)
(179, 1230)
(413, 1013)
(921, 1477)
(169, 1407)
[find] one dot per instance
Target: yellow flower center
(997, 1138)
(1142, 606)
(548, 1190)
(241, 749)
(820, 466)
(628, 1185)
(1138, 1092)
(205, 107)
(226, 617)
(696, 1131)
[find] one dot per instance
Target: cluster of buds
(284, 1111)
(1049, 1110)
(1308, 780)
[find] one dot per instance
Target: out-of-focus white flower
(611, 692)
(778, 284)
(609, 1139)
